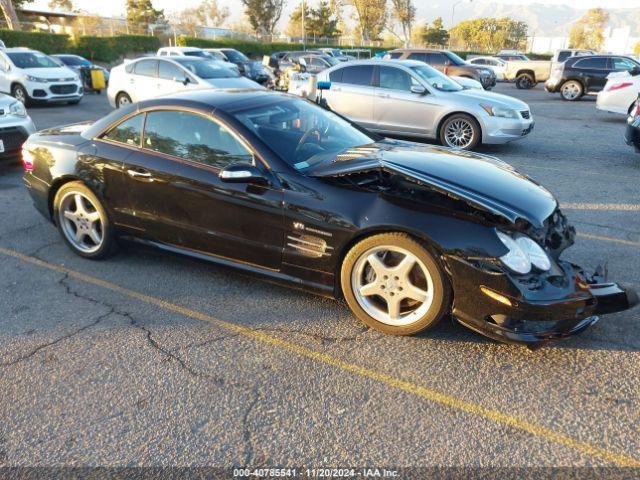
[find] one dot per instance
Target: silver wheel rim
(392, 285)
(525, 82)
(459, 133)
(18, 94)
(81, 222)
(123, 100)
(571, 90)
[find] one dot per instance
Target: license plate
(1, 146)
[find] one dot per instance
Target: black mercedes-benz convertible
(276, 185)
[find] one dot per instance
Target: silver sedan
(408, 98)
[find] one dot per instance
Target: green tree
(141, 14)
(323, 22)
(372, 17)
(263, 15)
(404, 12)
(489, 34)
(294, 27)
(588, 32)
(66, 5)
(435, 34)
(208, 13)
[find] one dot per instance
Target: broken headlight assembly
(523, 254)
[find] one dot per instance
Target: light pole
(453, 12)
(304, 42)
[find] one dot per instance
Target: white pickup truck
(528, 73)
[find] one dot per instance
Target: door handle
(337, 89)
(383, 95)
(139, 174)
(132, 80)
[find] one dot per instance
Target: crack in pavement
(247, 436)
(323, 339)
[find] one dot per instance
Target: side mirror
(634, 71)
(242, 173)
(302, 62)
(186, 81)
(417, 89)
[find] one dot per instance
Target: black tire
(122, 99)
(525, 81)
(441, 295)
(477, 132)
(571, 90)
(109, 243)
(20, 93)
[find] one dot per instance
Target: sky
(116, 7)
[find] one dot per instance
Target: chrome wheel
(571, 90)
(19, 94)
(392, 285)
(459, 133)
(123, 99)
(81, 222)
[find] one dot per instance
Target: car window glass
(194, 138)
(620, 63)
(336, 75)
(600, 63)
(419, 56)
(146, 68)
(436, 59)
(562, 56)
(479, 61)
(169, 71)
(395, 55)
(128, 132)
(396, 79)
(358, 75)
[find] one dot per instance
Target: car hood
(51, 73)
(483, 181)
(492, 98)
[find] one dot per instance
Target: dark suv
(585, 74)
(447, 62)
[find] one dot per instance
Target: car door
(593, 72)
(171, 78)
(352, 93)
(143, 82)
(175, 190)
(5, 81)
(622, 64)
(396, 108)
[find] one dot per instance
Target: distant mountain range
(543, 20)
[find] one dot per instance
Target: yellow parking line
(388, 380)
(622, 241)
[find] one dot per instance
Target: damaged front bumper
(532, 311)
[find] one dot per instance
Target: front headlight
(523, 252)
(516, 258)
(31, 78)
(17, 109)
(500, 111)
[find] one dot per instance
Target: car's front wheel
(460, 131)
(20, 93)
(83, 221)
(571, 90)
(392, 283)
(525, 81)
(122, 100)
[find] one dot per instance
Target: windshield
(332, 61)
(207, 70)
(437, 80)
(32, 60)
(300, 132)
(235, 56)
(455, 59)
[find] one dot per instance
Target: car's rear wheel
(122, 100)
(20, 93)
(525, 81)
(571, 90)
(83, 221)
(460, 131)
(392, 283)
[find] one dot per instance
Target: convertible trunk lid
(481, 180)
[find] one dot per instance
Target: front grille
(526, 114)
(12, 137)
(63, 89)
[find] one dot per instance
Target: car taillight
(27, 160)
(638, 108)
(619, 86)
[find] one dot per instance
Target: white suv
(31, 76)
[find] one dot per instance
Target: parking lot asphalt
(154, 359)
